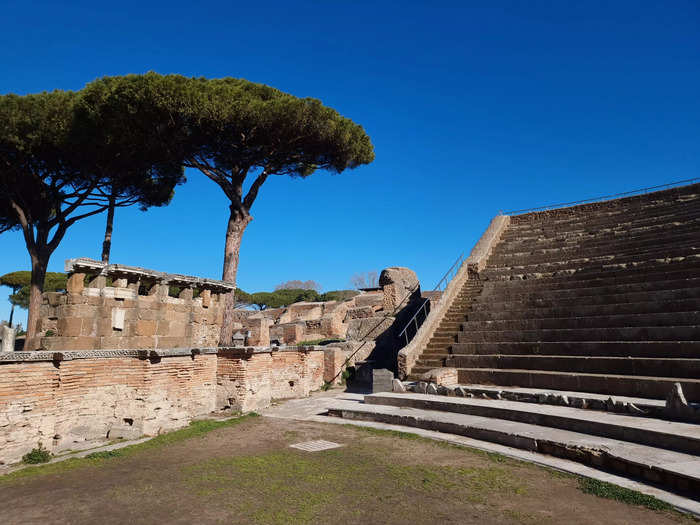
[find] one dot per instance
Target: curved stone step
(671, 435)
(611, 384)
(672, 469)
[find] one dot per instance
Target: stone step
(675, 470)
(649, 280)
(572, 249)
(634, 333)
(636, 406)
(662, 209)
(636, 366)
(590, 229)
(610, 384)
(523, 247)
(591, 321)
(663, 434)
(567, 267)
(611, 251)
(644, 307)
(583, 297)
(671, 349)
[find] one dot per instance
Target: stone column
(8, 338)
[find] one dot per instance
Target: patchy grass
(302, 488)
(607, 490)
(193, 430)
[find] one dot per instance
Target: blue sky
(472, 109)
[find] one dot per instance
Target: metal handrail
(440, 287)
(364, 338)
(606, 197)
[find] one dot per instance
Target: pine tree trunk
(107, 244)
(39, 265)
(237, 222)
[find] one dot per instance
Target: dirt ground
(248, 474)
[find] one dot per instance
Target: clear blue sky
(471, 109)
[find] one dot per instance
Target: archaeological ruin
(573, 332)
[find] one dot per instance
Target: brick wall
(249, 378)
(73, 400)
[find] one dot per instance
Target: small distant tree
(299, 285)
(20, 284)
(339, 295)
(364, 280)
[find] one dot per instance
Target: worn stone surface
(398, 386)
(368, 328)
(441, 376)
(397, 283)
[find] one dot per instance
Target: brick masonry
(71, 400)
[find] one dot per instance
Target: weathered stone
(368, 328)
(432, 389)
(75, 283)
(421, 387)
(460, 392)
(441, 376)
(398, 386)
(397, 284)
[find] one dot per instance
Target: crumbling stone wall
(135, 311)
(73, 400)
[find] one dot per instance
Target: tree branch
(253, 192)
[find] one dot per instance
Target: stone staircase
(601, 298)
(579, 326)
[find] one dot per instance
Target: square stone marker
(316, 446)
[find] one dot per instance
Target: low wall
(250, 378)
(73, 400)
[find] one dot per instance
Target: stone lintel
(135, 273)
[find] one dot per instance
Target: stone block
(441, 376)
(206, 298)
(397, 283)
(186, 294)
(75, 283)
(118, 318)
(360, 312)
(69, 326)
(368, 328)
(370, 299)
(145, 327)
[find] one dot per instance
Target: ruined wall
(134, 311)
(250, 378)
(73, 400)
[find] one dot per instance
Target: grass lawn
(243, 471)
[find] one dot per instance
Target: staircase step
(591, 255)
(634, 333)
(611, 384)
(583, 400)
(593, 321)
(644, 307)
(687, 349)
(635, 366)
(675, 470)
(671, 435)
(519, 301)
(594, 264)
(518, 247)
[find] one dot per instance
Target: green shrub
(37, 455)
